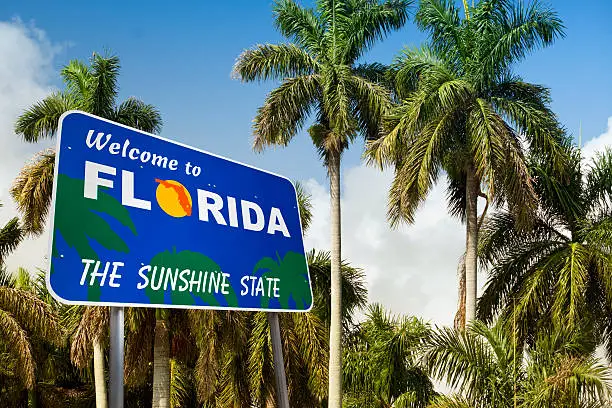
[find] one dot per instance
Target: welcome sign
(138, 220)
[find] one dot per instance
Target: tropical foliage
(559, 272)
(491, 369)
(382, 367)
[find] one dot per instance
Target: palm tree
(381, 367)
(91, 88)
(319, 76)
(463, 111)
(489, 369)
(559, 272)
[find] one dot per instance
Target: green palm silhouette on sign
(185, 260)
(78, 219)
(292, 272)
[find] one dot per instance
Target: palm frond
(299, 24)
(104, 71)
(372, 102)
(453, 401)
(412, 63)
(371, 23)
(79, 81)
(284, 111)
(32, 191)
(10, 237)
(137, 114)
(41, 120)
(599, 183)
(375, 72)
(32, 313)
(441, 19)
(521, 29)
(270, 61)
(354, 291)
(16, 340)
(305, 206)
(93, 327)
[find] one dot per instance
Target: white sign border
(156, 305)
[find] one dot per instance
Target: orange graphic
(173, 198)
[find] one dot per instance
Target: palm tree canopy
(559, 272)
(490, 369)
(463, 110)
(91, 88)
(381, 365)
(318, 70)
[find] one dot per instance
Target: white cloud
(25, 73)
(411, 270)
(599, 143)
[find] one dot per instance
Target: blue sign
(139, 220)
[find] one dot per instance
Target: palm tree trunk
(471, 244)
(99, 375)
(32, 398)
(161, 365)
(335, 330)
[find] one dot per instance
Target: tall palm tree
(382, 368)
(559, 272)
(91, 88)
(463, 111)
(319, 76)
(489, 369)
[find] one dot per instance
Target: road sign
(139, 220)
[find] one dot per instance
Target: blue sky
(178, 56)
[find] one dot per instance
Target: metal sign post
(282, 395)
(116, 357)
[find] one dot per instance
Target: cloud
(599, 143)
(411, 270)
(25, 73)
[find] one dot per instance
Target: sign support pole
(116, 357)
(282, 395)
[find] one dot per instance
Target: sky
(178, 56)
